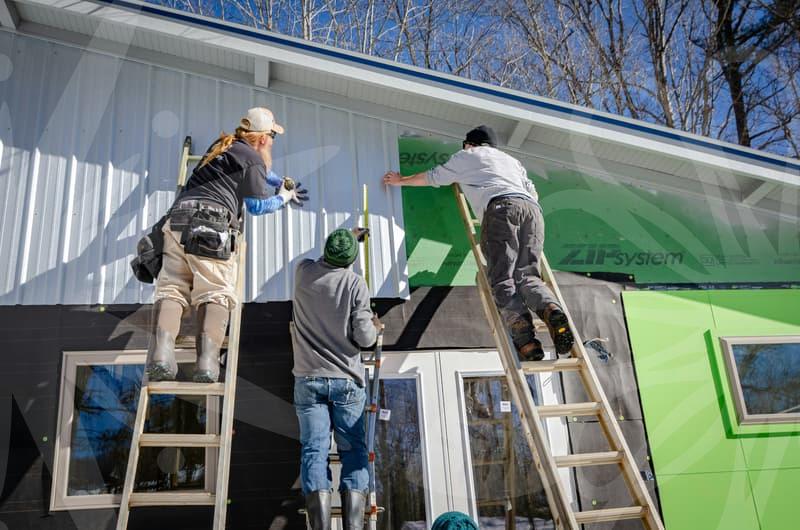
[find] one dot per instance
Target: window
(764, 376)
(399, 475)
(508, 491)
(99, 396)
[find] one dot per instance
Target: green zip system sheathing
(711, 472)
(594, 224)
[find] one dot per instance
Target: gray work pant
(512, 239)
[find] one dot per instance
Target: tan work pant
(195, 280)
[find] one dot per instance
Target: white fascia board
(384, 73)
(9, 17)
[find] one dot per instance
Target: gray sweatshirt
(331, 313)
(484, 173)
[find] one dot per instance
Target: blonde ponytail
(225, 141)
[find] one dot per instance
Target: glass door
(492, 471)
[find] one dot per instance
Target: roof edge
(450, 82)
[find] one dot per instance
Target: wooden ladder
(222, 441)
(531, 414)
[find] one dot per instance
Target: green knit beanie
(341, 248)
(454, 521)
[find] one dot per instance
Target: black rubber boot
(161, 364)
(522, 334)
(212, 320)
(558, 325)
(353, 505)
(318, 510)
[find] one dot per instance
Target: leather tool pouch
(149, 254)
(208, 234)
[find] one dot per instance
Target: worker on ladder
(332, 321)
(200, 235)
(512, 235)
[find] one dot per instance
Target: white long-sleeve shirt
(484, 173)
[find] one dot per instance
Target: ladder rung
(610, 514)
(558, 365)
(489, 462)
(487, 421)
(183, 388)
(194, 158)
(589, 459)
(179, 440)
(570, 409)
(172, 498)
(492, 502)
(336, 511)
(187, 342)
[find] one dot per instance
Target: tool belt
(207, 229)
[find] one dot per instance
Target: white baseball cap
(260, 119)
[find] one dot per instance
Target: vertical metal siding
(89, 149)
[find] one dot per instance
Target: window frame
(735, 384)
(71, 360)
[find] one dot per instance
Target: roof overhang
(427, 100)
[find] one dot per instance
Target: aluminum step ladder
(221, 441)
(531, 415)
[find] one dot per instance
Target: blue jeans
(320, 402)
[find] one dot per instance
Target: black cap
(482, 135)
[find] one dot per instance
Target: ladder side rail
(231, 369)
(374, 392)
(133, 457)
(184, 162)
(606, 417)
(371, 428)
(532, 426)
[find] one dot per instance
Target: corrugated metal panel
(89, 149)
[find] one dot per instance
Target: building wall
(89, 147)
(709, 475)
(266, 452)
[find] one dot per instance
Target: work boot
(558, 325)
(161, 364)
(353, 504)
(212, 321)
(522, 334)
(318, 510)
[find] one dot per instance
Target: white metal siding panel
(89, 148)
(21, 96)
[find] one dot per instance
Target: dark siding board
(265, 454)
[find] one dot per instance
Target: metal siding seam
(321, 214)
(287, 226)
(144, 199)
(251, 229)
(33, 176)
(356, 206)
(389, 192)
